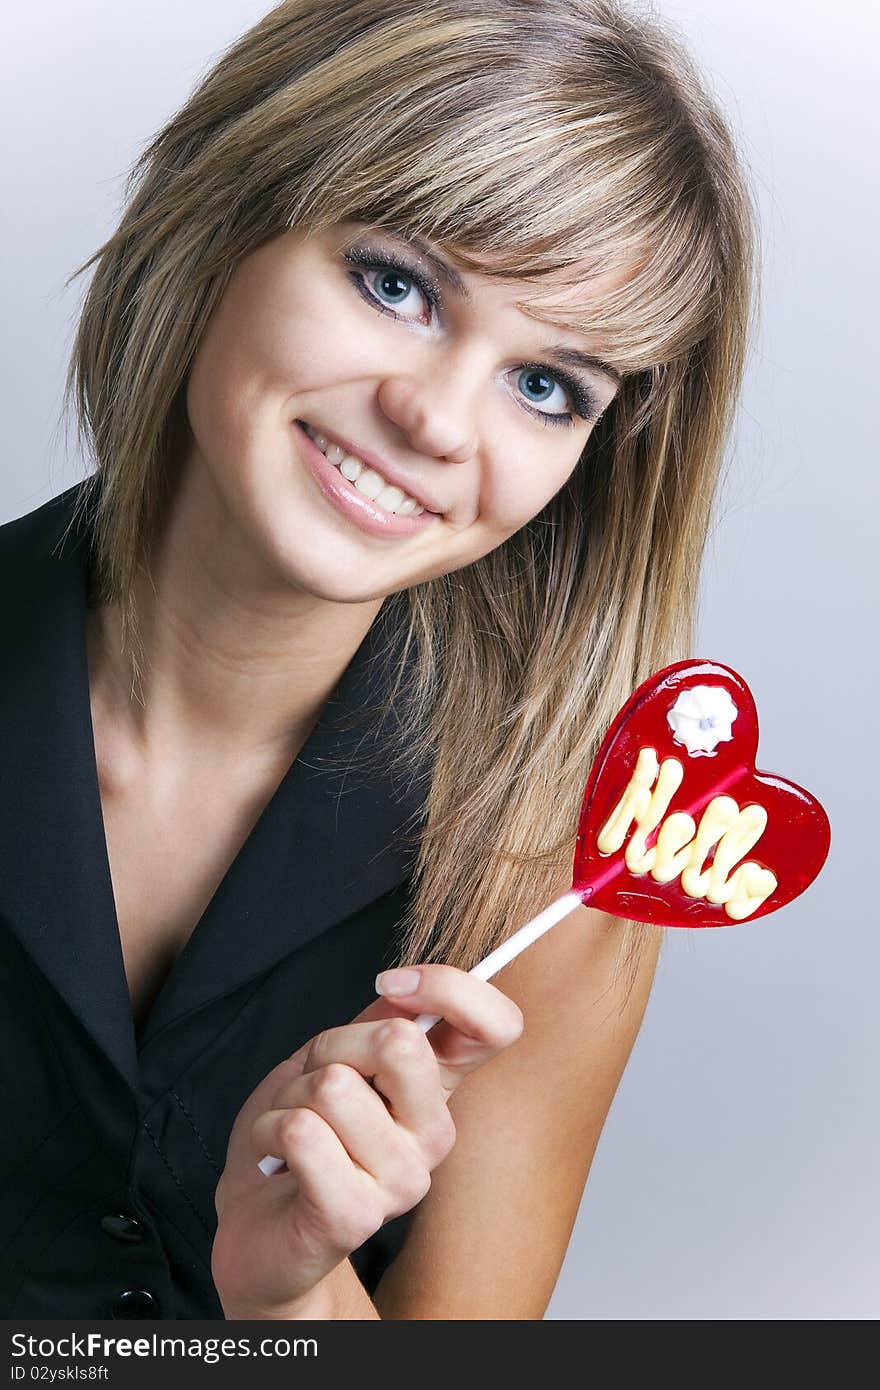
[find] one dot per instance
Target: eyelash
(586, 407)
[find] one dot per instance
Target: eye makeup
(366, 257)
(374, 258)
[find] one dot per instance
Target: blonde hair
(561, 136)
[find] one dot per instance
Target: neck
(235, 660)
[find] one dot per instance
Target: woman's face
(464, 406)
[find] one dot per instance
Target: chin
(326, 572)
(337, 591)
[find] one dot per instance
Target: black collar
(324, 847)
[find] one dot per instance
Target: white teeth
(350, 467)
(391, 497)
(369, 483)
(366, 480)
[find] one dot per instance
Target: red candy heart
(710, 755)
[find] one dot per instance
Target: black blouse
(112, 1145)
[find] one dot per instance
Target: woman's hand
(359, 1114)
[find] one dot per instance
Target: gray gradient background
(735, 1178)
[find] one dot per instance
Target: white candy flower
(701, 718)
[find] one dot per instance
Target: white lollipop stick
(510, 949)
(484, 970)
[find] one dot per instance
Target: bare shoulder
(489, 1238)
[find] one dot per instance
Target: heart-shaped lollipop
(677, 826)
(674, 802)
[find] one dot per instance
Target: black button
(122, 1227)
(135, 1303)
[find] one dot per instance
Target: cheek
(230, 374)
(301, 344)
(522, 484)
(315, 335)
(262, 348)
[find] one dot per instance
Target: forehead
(567, 287)
(586, 299)
(572, 294)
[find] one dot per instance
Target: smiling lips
(365, 477)
(366, 513)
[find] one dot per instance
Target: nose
(435, 418)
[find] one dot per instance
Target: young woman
(407, 376)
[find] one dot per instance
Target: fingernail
(395, 982)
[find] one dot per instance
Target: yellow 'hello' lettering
(682, 846)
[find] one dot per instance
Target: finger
(473, 1007)
(338, 1201)
(354, 1110)
(369, 1135)
(401, 1065)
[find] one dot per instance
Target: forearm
(340, 1296)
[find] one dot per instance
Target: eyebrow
(573, 357)
(563, 355)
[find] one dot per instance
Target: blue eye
(537, 384)
(539, 387)
(383, 282)
(392, 286)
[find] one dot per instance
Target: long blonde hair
(564, 136)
